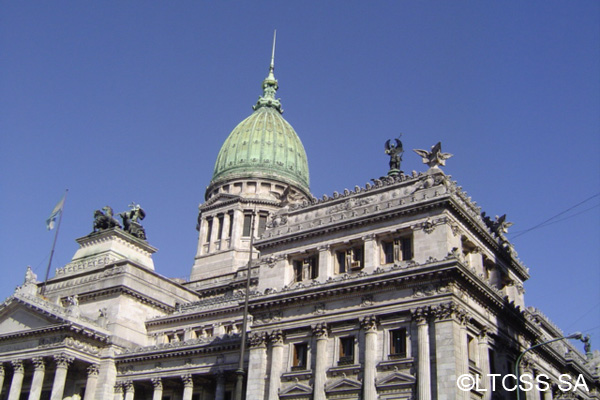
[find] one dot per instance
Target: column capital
(187, 381)
(93, 370)
(63, 360)
(320, 331)
(157, 383)
(369, 323)
(484, 334)
(276, 337)
(257, 339)
(368, 237)
(2, 371)
(18, 365)
(118, 387)
(38, 363)
(450, 310)
(421, 314)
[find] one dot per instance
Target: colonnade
(451, 356)
(125, 390)
(62, 363)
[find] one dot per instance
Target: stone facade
(391, 290)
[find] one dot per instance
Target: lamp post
(240, 373)
(576, 335)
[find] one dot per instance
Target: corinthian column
(2, 372)
(424, 371)
(484, 363)
(158, 389)
(188, 387)
(220, 388)
(60, 376)
(369, 324)
(38, 378)
(276, 339)
(118, 391)
(17, 380)
(257, 370)
(129, 390)
(320, 332)
(92, 382)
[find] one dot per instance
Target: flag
(57, 210)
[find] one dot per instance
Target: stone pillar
(420, 315)
(2, 372)
(236, 232)
(17, 380)
(257, 370)
(129, 390)
(202, 237)
(220, 388)
(92, 382)
(369, 324)
(547, 395)
(60, 376)
(484, 363)
(320, 332)
(276, 339)
(213, 234)
(118, 391)
(325, 264)
(462, 318)
(371, 257)
(158, 389)
(38, 378)
(188, 387)
(225, 236)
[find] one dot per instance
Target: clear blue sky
(131, 101)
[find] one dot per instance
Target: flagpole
(43, 290)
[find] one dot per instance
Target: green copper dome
(264, 145)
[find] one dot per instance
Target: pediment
(396, 379)
(220, 198)
(296, 389)
(16, 316)
(344, 385)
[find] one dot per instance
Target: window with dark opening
(398, 343)
(346, 351)
(299, 361)
(247, 225)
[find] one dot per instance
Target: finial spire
(273, 52)
(270, 85)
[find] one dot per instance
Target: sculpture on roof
(395, 152)
(435, 157)
(104, 220)
(131, 220)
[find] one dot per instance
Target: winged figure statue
(435, 157)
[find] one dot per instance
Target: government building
(392, 290)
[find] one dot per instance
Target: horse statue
(104, 220)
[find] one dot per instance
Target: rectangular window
(299, 362)
(306, 269)
(220, 218)
(297, 271)
(230, 214)
(407, 252)
(262, 223)
(350, 260)
(388, 252)
(398, 249)
(398, 343)
(209, 222)
(346, 351)
(472, 350)
(247, 225)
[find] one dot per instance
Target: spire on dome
(270, 86)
